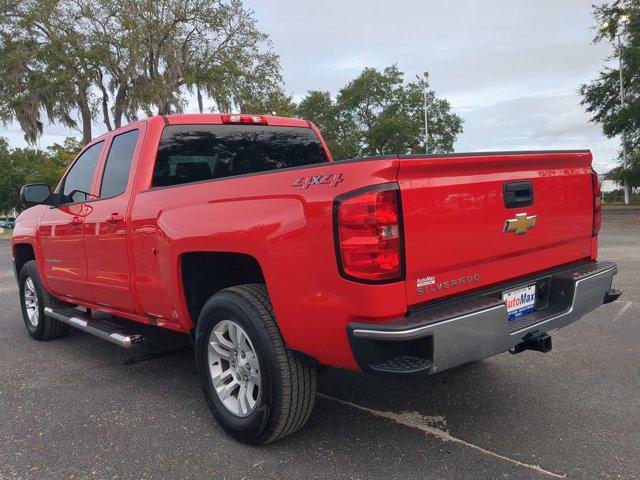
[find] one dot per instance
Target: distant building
(607, 185)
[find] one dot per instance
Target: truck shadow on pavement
(454, 396)
(442, 395)
(154, 394)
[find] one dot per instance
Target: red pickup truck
(241, 231)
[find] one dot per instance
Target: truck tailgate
(454, 216)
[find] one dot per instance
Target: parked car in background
(241, 231)
(9, 222)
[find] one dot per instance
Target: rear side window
(116, 171)
(77, 184)
(192, 153)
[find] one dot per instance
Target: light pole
(426, 122)
(623, 19)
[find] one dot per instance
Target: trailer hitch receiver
(539, 342)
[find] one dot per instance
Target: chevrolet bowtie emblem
(520, 224)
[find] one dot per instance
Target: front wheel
(33, 299)
(257, 390)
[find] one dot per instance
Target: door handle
(75, 221)
(114, 218)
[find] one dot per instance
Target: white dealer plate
(520, 301)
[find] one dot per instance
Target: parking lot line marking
(625, 307)
(8, 288)
(422, 423)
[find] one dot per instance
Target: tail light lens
(597, 203)
(368, 232)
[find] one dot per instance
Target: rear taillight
(368, 231)
(597, 204)
(244, 119)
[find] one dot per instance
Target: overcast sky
(510, 68)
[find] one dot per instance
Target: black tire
(45, 328)
(288, 388)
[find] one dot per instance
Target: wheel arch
(22, 253)
(205, 273)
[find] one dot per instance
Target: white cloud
(511, 68)
(536, 122)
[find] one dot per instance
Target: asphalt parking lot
(79, 407)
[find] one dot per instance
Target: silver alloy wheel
(234, 368)
(31, 302)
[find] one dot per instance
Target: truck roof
(216, 118)
(212, 119)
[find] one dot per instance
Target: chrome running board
(105, 330)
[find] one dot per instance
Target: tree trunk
(118, 104)
(105, 104)
(85, 114)
(105, 112)
(200, 103)
(164, 108)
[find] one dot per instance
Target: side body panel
(287, 229)
(106, 230)
(64, 263)
(107, 257)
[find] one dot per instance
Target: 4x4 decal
(332, 179)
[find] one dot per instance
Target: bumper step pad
(402, 364)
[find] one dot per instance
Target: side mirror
(35, 194)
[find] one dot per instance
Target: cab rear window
(193, 153)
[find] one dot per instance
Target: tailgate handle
(518, 194)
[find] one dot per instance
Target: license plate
(521, 301)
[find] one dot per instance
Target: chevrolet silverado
(241, 231)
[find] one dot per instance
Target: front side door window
(76, 186)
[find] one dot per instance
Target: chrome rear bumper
(446, 335)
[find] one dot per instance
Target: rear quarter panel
(288, 230)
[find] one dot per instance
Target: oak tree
(380, 113)
(601, 96)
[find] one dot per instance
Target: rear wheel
(257, 390)
(234, 368)
(33, 300)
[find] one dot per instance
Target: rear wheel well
(205, 273)
(23, 252)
